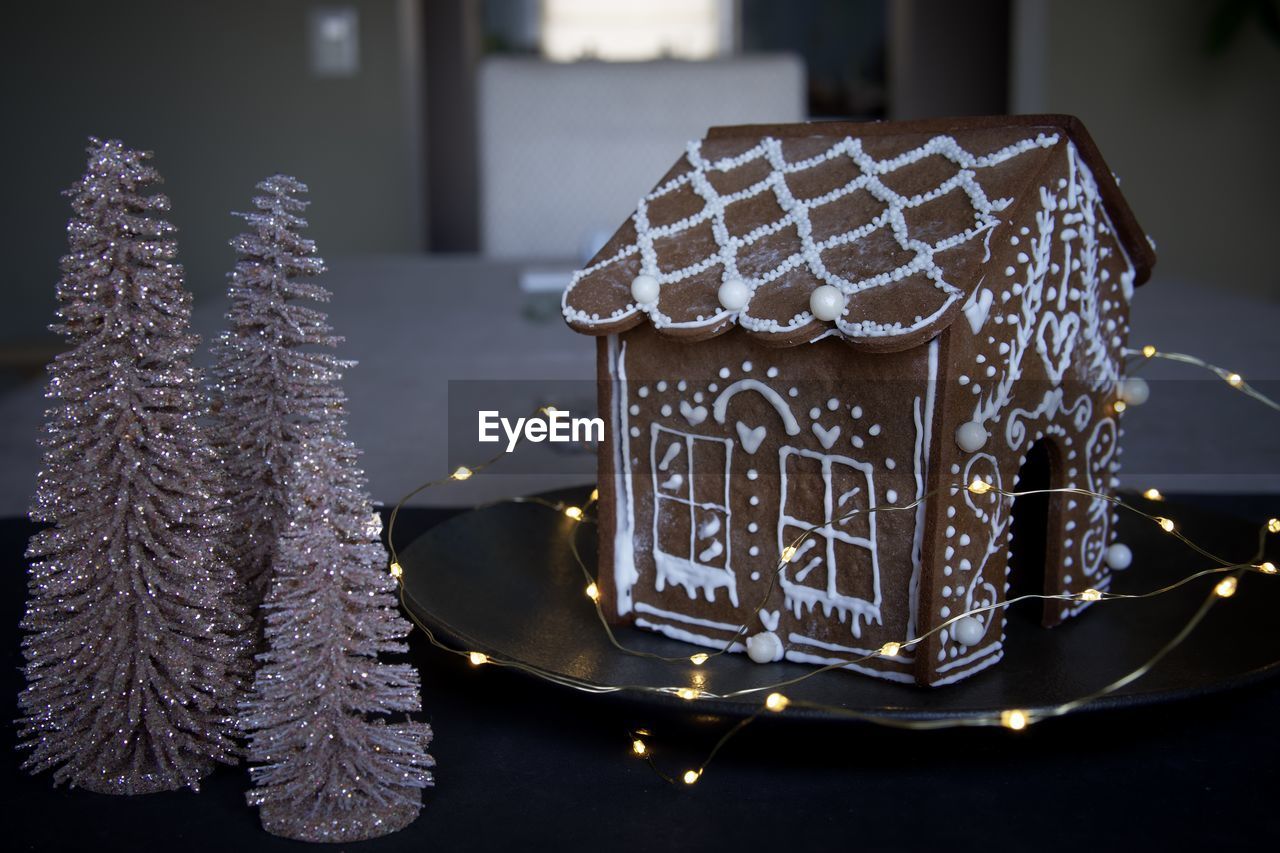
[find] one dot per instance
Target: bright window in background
(636, 30)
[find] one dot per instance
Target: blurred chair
(567, 149)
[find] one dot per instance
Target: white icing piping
(802, 640)
(683, 569)
(796, 213)
(719, 407)
(888, 675)
(625, 574)
(799, 597)
(924, 439)
(641, 607)
(989, 660)
(687, 636)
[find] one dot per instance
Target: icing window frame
(691, 568)
(824, 532)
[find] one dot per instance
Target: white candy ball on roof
(1134, 390)
(971, 436)
(644, 289)
(764, 647)
(826, 303)
(968, 631)
(1119, 557)
(734, 294)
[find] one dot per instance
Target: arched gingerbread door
(1036, 551)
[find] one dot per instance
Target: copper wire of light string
(776, 702)
(1235, 380)
(1224, 565)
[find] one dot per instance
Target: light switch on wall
(334, 36)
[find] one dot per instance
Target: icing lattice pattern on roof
(901, 253)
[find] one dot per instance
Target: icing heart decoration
(751, 438)
(769, 619)
(826, 436)
(977, 308)
(693, 414)
(1056, 351)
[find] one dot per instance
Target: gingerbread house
(832, 328)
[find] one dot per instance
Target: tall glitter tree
(329, 763)
(270, 388)
(136, 643)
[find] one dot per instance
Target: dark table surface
(522, 763)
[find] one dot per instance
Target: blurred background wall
(376, 103)
(225, 92)
(1183, 98)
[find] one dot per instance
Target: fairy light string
(776, 702)
(1137, 357)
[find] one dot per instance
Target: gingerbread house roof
(896, 215)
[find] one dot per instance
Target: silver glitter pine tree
(269, 390)
(136, 643)
(328, 763)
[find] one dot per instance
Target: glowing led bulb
(638, 747)
(1273, 525)
(699, 659)
(574, 512)
(890, 649)
(1119, 406)
(549, 410)
(1267, 568)
(1153, 495)
(1166, 524)
(1235, 380)
(788, 553)
(979, 486)
(593, 592)
(463, 473)
(1148, 350)
(595, 496)
(776, 702)
(1226, 587)
(1091, 595)
(687, 693)
(691, 776)
(478, 658)
(1014, 719)
(396, 570)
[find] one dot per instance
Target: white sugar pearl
(971, 436)
(968, 631)
(764, 647)
(644, 289)
(734, 294)
(1134, 390)
(1119, 557)
(826, 303)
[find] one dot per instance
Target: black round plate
(502, 580)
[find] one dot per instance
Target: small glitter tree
(329, 765)
(269, 391)
(136, 644)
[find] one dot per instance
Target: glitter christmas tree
(329, 763)
(136, 625)
(270, 388)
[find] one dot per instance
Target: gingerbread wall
(1036, 357)
(733, 449)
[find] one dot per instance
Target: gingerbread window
(836, 566)
(691, 517)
